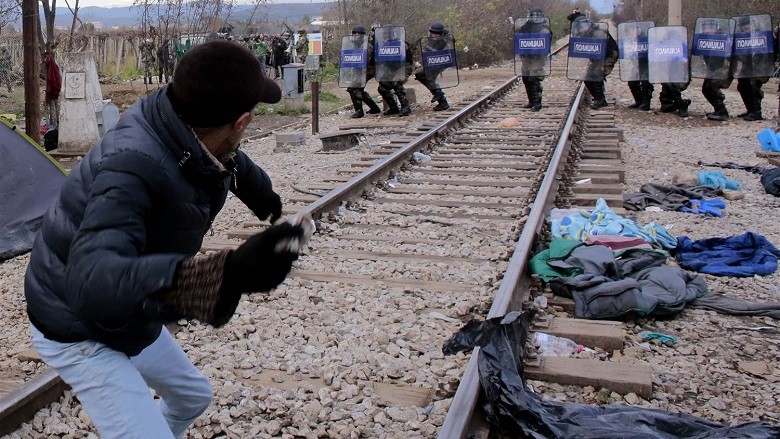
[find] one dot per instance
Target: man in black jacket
(116, 256)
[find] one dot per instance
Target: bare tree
(48, 42)
(75, 11)
(10, 10)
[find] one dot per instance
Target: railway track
(415, 238)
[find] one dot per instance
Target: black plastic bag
(514, 410)
(51, 139)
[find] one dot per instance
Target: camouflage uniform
(5, 68)
(387, 88)
(359, 95)
(147, 60)
(301, 47)
(427, 78)
(164, 62)
(596, 88)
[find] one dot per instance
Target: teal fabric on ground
(663, 338)
(718, 180)
(603, 221)
(559, 249)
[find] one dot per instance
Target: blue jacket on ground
(739, 256)
(138, 204)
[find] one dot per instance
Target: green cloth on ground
(560, 248)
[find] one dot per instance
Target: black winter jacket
(138, 204)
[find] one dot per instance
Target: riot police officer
(438, 39)
(753, 63)
(717, 68)
(358, 95)
(634, 69)
(534, 61)
(393, 72)
(598, 69)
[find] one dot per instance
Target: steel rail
(353, 188)
(20, 405)
(459, 416)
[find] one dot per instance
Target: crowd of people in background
(273, 51)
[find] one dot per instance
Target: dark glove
(256, 265)
(272, 208)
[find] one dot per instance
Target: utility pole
(32, 93)
(675, 13)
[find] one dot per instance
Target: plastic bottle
(553, 346)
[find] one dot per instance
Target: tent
(30, 181)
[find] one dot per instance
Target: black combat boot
(747, 99)
(682, 107)
(637, 93)
(405, 109)
(720, 113)
(530, 92)
(599, 100)
(437, 95)
(357, 104)
(443, 104)
(755, 106)
(536, 101)
(392, 106)
(373, 108)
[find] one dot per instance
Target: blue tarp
(745, 255)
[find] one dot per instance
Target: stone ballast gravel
(699, 376)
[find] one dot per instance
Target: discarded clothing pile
(680, 197)
(745, 255)
(731, 165)
(706, 207)
(602, 220)
(514, 410)
(605, 284)
(718, 180)
(770, 177)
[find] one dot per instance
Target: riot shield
(438, 60)
(713, 39)
(390, 53)
(532, 46)
(632, 48)
(353, 61)
(753, 55)
(587, 50)
(667, 54)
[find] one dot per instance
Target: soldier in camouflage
(147, 59)
(5, 68)
(302, 46)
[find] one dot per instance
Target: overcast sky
(126, 3)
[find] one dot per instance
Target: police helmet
(358, 29)
(711, 24)
(582, 23)
(437, 27)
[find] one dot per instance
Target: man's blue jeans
(114, 388)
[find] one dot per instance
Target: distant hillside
(129, 16)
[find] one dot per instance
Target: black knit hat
(216, 82)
